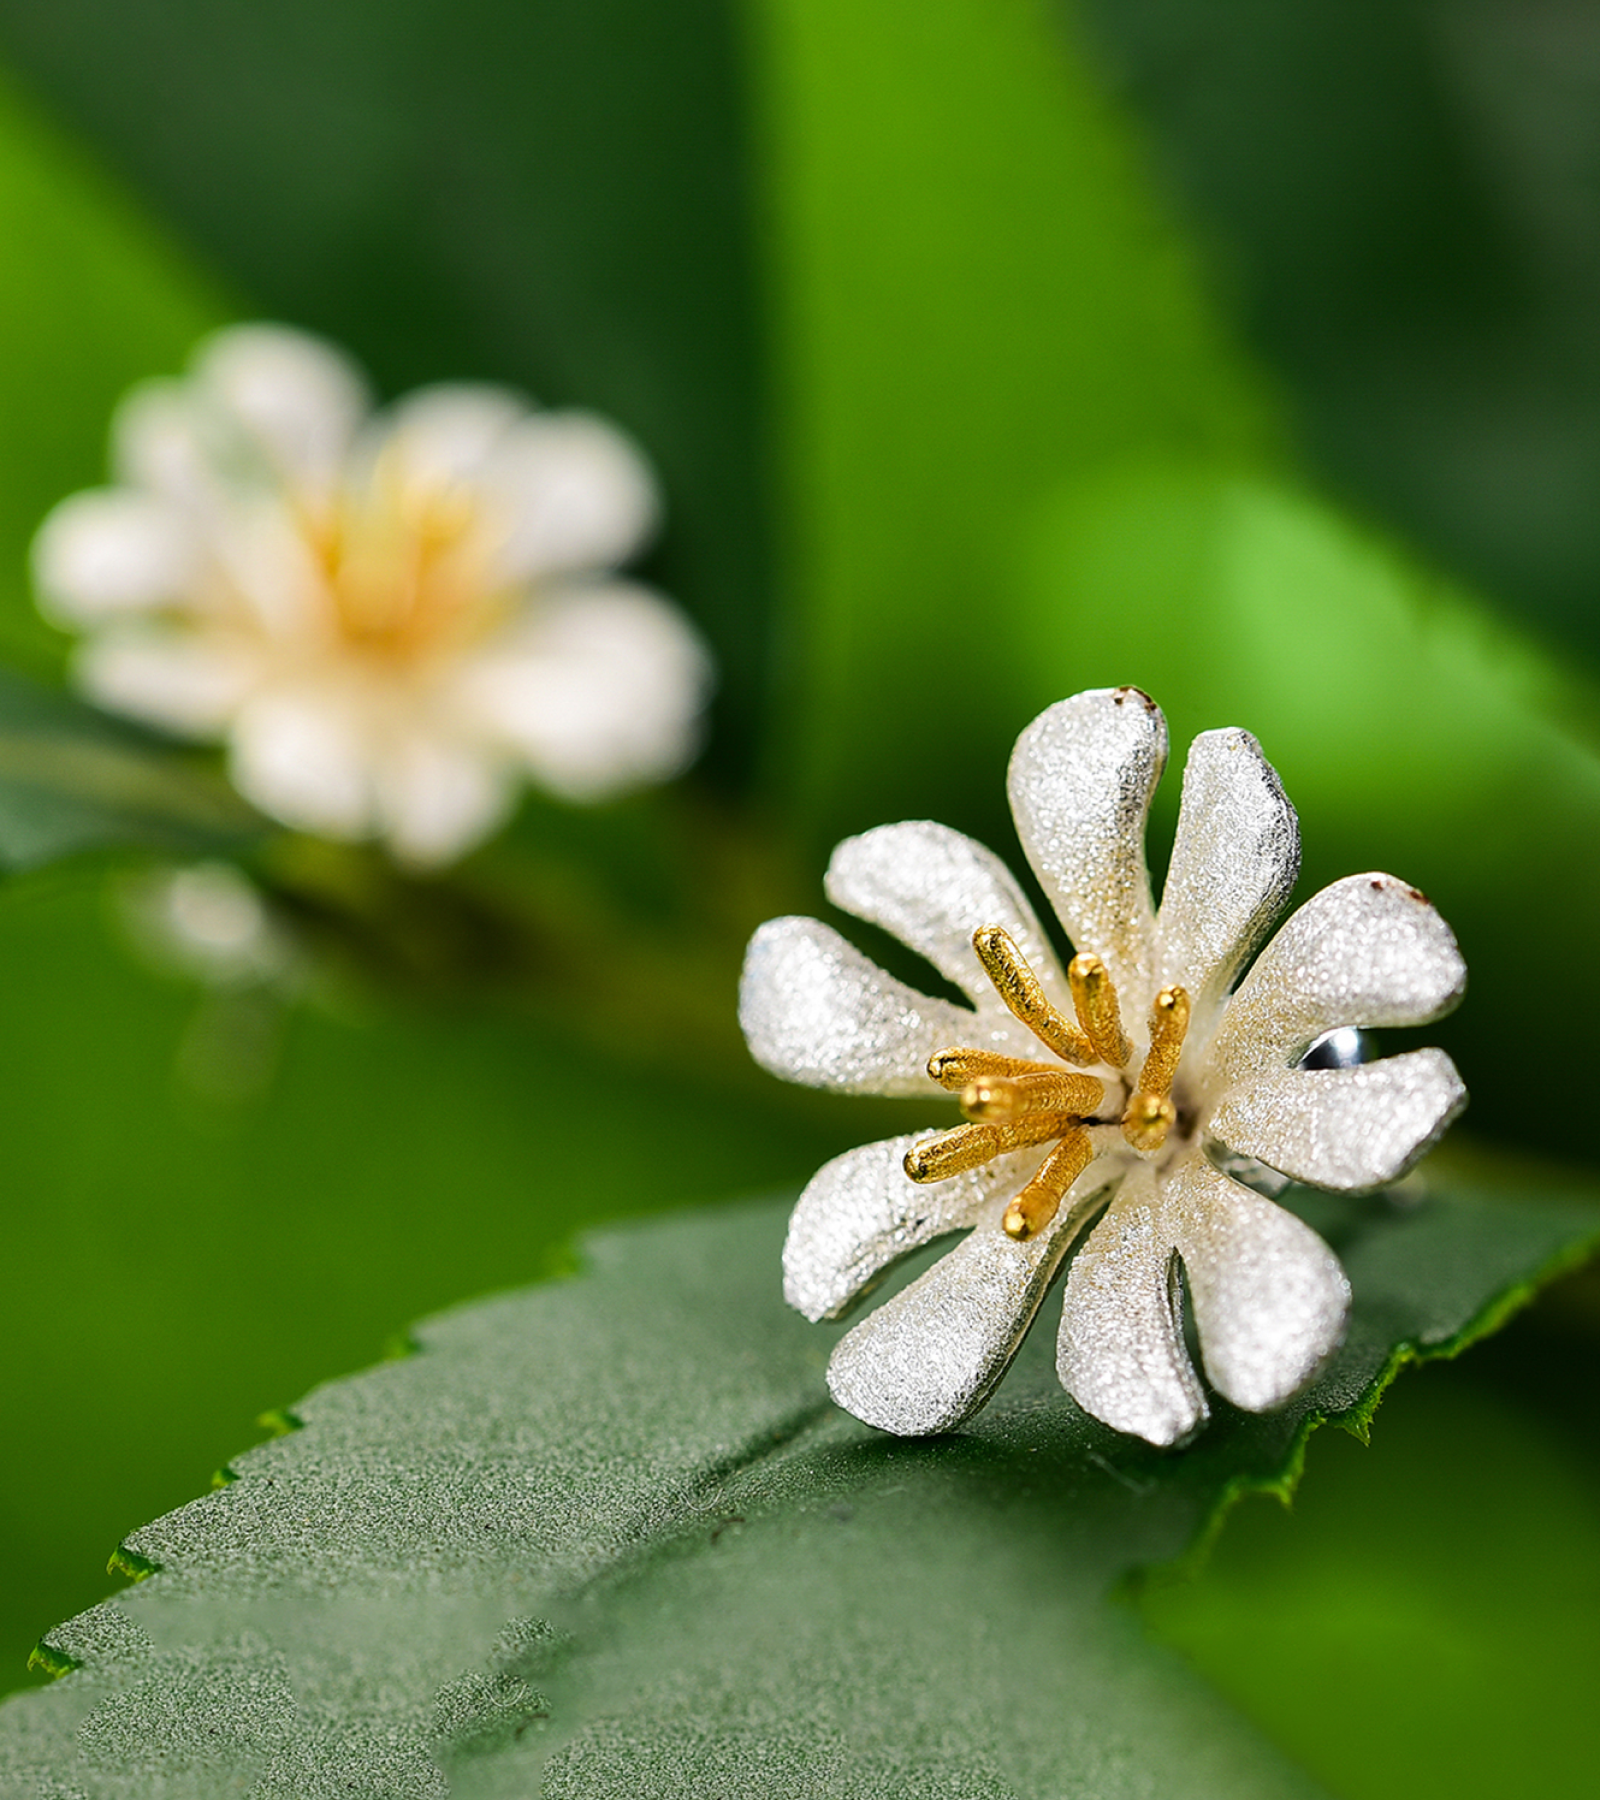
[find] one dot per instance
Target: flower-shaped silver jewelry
(1127, 1087)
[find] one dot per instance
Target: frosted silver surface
(932, 888)
(1347, 1129)
(1270, 1299)
(1120, 1353)
(928, 1359)
(1368, 950)
(1234, 863)
(816, 1011)
(859, 1214)
(1269, 1296)
(1080, 782)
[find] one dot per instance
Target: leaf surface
(607, 1537)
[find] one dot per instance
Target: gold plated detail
(1151, 1114)
(958, 1068)
(1013, 1103)
(953, 1152)
(1094, 999)
(1040, 1200)
(1018, 986)
(1003, 1099)
(1148, 1120)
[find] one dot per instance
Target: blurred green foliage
(1403, 199)
(552, 195)
(1421, 1624)
(951, 426)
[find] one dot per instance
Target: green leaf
(976, 297)
(71, 779)
(607, 1537)
(1381, 185)
(178, 1259)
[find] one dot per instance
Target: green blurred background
(989, 349)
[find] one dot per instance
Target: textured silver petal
(1270, 1299)
(932, 887)
(1080, 782)
(1234, 863)
(816, 1011)
(1349, 1129)
(1121, 1354)
(860, 1213)
(929, 1358)
(1369, 950)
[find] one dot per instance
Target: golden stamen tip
(915, 1165)
(988, 1100)
(1015, 1223)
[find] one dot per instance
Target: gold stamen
(1169, 1022)
(1148, 1120)
(1001, 1099)
(1040, 1200)
(1019, 987)
(1094, 998)
(959, 1067)
(953, 1152)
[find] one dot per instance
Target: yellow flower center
(404, 569)
(1014, 1103)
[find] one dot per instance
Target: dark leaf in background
(1024, 458)
(71, 779)
(553, 195)
(1436, 1589)
(1407, 199)
(609, 1538)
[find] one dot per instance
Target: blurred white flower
(1134, 1087)
(209, 921)
(391, 618)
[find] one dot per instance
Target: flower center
(1014, 1103)
(403, 570)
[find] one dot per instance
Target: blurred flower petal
(408, 605)
(599, 693)
(111, 552)
(578, 493)
(165, 678)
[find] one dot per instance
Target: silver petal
(1369, 950)
(816, 1011)
(1080, 782)
(1121, 1354)
(1234, 863)
(928, 1359)
(933, 887)
(1349, 1129)
(1270, 1299)
(860, 1213)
